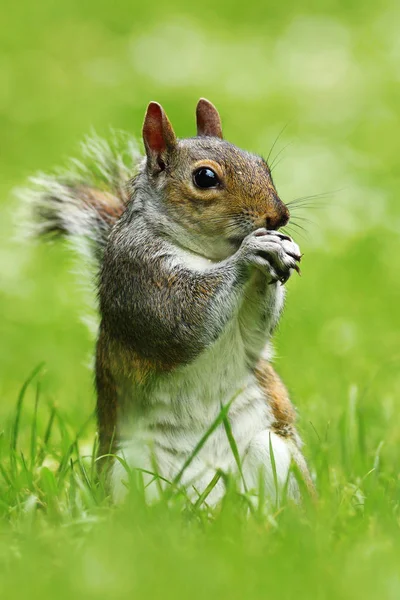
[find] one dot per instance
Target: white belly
(183, 409)
(216, 455)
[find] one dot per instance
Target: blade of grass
(26, 471)
(274, 472)
(47, 435)
(261, 493)
(154, 466)
(95, 449)
(204, 495)
(83, 470)
(5, 476)
(72, 445)
(234, 448)
(34, 426)
(20, 400)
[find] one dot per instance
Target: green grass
(62, 536)
(331, 75)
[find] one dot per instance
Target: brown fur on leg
(278, 398)
(284, 418)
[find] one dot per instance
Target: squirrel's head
(209, 193)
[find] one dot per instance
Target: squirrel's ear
(158, 136)
(208, 119)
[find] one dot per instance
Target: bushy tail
(84, 201)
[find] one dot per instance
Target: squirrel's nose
(279, 219)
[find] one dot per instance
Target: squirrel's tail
(84, 201)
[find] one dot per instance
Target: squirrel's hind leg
(284, 425)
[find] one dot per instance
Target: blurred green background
(330, 73)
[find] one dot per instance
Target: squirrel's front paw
(273, 252)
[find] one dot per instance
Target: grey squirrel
(191, 271)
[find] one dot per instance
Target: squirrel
(191, 272)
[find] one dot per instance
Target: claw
(297, 268)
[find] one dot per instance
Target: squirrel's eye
(205, 178)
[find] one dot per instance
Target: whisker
(314, 197)
(285, 231)
(297, 217)
(279, 162)
(274, 164)
(293, 233)
(305, 206)
(275, 141)
(310, 197)
(298, 226)
(302, 205)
